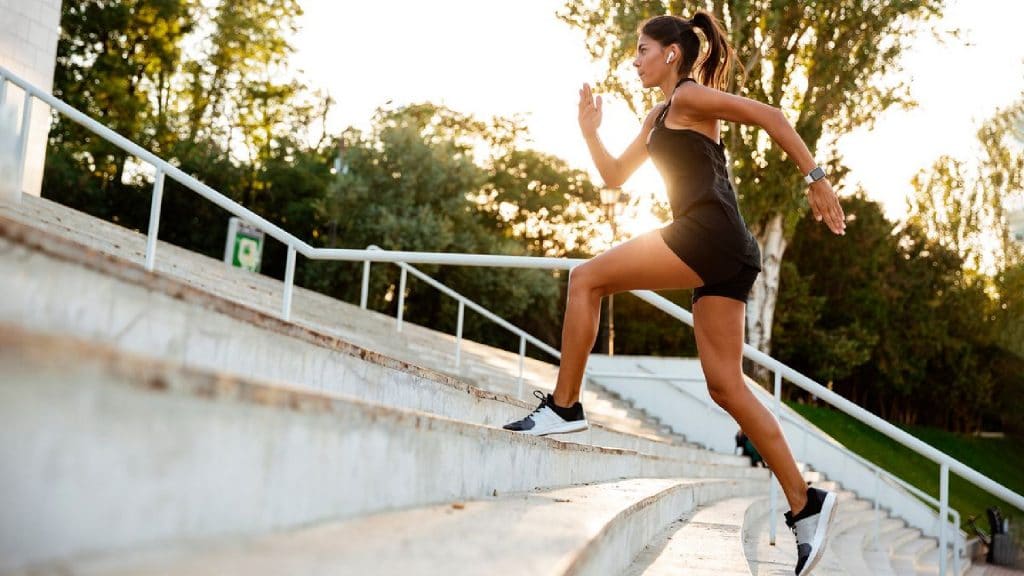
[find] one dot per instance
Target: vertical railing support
(3, 90)
(943, 515)
(289, 283)
(154, 219)
(26, 126)
(956, 543)
(522, 359)
(772, 496)
(366, 285)
(401, 297)
(458, 334)
(878, 487)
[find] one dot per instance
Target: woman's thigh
(643, 263)
(718, 328)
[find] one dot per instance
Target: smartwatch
(814, 175)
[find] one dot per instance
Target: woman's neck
(669, 86)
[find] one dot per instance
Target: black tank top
(699, 190)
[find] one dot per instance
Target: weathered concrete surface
(595, 529)
(207, 284)
(707, 542)
(161, 317)
(102, 450)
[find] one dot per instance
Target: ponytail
(716, 67)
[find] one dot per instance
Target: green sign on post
(244, 248)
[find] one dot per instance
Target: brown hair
(714, 70)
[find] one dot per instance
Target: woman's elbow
(776, 120)
(613, 181)
(613, 177)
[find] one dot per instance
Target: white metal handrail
(780, 370)
(524, 337)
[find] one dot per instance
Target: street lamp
(610, 201)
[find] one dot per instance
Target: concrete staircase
(172, 423)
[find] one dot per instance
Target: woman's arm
(702, 102)
(614, 171)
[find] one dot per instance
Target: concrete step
(900, 538)
(904, 559)
(579, 530)
(707, 541)
(927, 563)
(105, 450)
(162, 317)
(49, 223)
(848, 540)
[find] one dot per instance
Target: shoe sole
(567, 428)
(821, 532)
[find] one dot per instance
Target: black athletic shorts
(723, 274)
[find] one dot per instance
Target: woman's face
(650, 61)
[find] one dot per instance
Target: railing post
(26, 125)
(366, 285)
(458, 334)
(154, 219)
(3, 90)
(401, 297)
(522, 358)
(943, 514)
(956, 543)
(772, 496)
(289, 282)
(878, 487)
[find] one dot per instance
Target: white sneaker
(544, 420)
(811, 527)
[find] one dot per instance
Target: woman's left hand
(825, 206)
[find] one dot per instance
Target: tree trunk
(761, 304)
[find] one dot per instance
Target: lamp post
(610, 201)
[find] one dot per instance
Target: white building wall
(29, 30)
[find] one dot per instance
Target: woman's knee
(726, 390)
(584, 281)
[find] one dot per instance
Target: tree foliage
(893, 320)
(229, 112)
(831, 65)
(963, 204)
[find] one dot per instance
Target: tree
(963, 205)
(831, 65)
(115, 61)
(539, 199)
(219, 112)
(831, 308)
(427, 178)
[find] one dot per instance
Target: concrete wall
(29, 30)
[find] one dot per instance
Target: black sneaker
(545, 420)
(811, 527)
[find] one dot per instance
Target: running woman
(707, 247)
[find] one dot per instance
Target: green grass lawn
(1000, 459)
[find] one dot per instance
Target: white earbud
(671, 57)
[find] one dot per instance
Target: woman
(707, 246)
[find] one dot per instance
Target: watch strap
(817, 173)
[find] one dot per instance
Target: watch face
(817, 174)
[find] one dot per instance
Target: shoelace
(543, 402)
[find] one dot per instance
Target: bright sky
(492, 59)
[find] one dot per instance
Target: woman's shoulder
(687, 89)
(655, 110)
